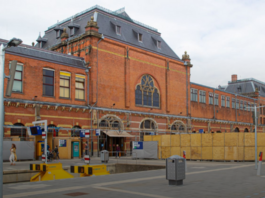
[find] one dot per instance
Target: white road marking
(21, 187)
(41, 192)
(197, 167)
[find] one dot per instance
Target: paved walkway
(203, 179)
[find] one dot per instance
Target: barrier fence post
(260, 164)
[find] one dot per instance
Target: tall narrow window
(216, 99)
(17, 85)
(249, 106)
(146, 94)
(211, 98)
(48, 82)
(158, 44)
(80, 87)
(223, 101)
(245, 106)
(140, 37)
(228, 102)
(118, 30)
(65, 84)
(233, 103)
(241, 105)
(194, 95)
(237, 104)
(202, 96)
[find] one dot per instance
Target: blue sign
(62, 143)
(82, 133)
(36, 130)
(200, 130)
(97, 132)
(138, 145)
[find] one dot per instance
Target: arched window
(146, 94)
(110, 122)
(148, 125)
(75, 132)
(236, 129)
(18, 131)
(178, 127)
(246, 130)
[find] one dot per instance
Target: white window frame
(191, 95)
(118, 30)
(158, 44)
(211, 96)
(21, 64)
(140, 36)
(202, 97)
(227, 101)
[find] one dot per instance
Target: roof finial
(64, 35)
(92, 18)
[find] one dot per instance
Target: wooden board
(148, 138)
(207, 140)
(231, 153)
(165, 152)
(157, 138)
(185, 140)
(196, 139)
(187, 149)
(207, 153)
(218, 153)
(240, 153)
(159, 154)
(249, 139)
(196, 153)
(261, 139)
(249, 153)
(175, 151)
(218, 139)
(165, 140)
(175, 140)
(231, 139)
(241, 139)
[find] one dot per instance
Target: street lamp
(12, 43)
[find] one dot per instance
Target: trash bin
(175, 170)
(104, 156)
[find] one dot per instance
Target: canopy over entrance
(118, 134)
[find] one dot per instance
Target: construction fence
(212, 146)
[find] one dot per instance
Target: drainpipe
(97, 64)
(236, 107)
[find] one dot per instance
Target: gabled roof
(44, 55)
(107, 20)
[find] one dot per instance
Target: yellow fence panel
(249, 153)
(165, 140)
(231, 139)
(165, 152)
(175, 140)
(207, 140)
(249, 139)
(218, 139)
(175, 151)
(148, 138)
(157, 138)
(196, 153)
(240, 153)
(207, 153)
(261, 139)
(241, 139)
(196, 139)
(231, 153)
(218, 153)
(185, 139)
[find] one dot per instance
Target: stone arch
(110, 121)
(178, 126)
(152, 120)
(236, 129)
(246, 130)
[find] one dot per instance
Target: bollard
(184, 156)
(260, 164)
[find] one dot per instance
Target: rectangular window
(249, 106)
(202, 96)
(159, 44)
(140, 37)
(194, 96)
(223, 101)
(65, 84)
(237, 104)
(241, 105)
(233, 103)
(228, 102)
(211, 98)
(80, 87)
(17, 85)
(245, 106)
(118, 30)
(48, 82)
(216, 99)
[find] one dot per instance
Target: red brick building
(102, 69)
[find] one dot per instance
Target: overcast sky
(222, 37)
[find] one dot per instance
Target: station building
(101, 69)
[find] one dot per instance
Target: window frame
(76, 77)
(48, 84)
(192, 94)
(216, 98)
(237, 104)
(227, 102)
(65, 86)
(140, 37)
(202, 98)
(118, 30)
(211, 101)
(241, 105)
(158, 44)
(21, 73)
(222, 101)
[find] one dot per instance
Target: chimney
(234, 77)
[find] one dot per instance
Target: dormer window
(59, 31)
(73, 27)
(41, 41)
(158, 44)
(140, 37)
(118, 30)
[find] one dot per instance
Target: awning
(118, 134)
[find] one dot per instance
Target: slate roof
(106, 21)
(246, 86)
(44, 55)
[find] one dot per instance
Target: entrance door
(75, 149)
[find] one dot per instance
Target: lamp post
(12, 43)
